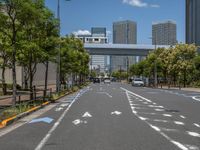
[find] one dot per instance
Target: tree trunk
(30, 76)
(4, 88)
(46, 79)
(14, 77)
(14, 67)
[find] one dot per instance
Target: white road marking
(179, 123)
(147, 113)
(197, 125)
(179, 145)
(59, 109)
(192, 147)
(116, 113)
(169, 130)
(45, 139)
(77, 121)
(87, 115)
(25, 120)
(182, 116)
(136, 95)
(159, 109)
(195, 134)
(196, 98)
(154, 106)
(155, 128)
(167, 115)
(142, 118)
(105, 93)
(64, 105)
(160, 120)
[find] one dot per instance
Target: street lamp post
(58, 55)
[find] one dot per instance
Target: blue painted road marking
(45, 119)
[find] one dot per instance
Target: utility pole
(58, 55)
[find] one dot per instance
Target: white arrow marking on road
(87, 115)
(197, 98)
(116, 113)
(59, 109)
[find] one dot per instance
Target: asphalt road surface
(111, 117)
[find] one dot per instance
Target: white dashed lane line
(148, 104)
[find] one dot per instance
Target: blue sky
(83, 14)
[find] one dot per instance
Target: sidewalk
(183, 89)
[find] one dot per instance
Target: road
(111, 117)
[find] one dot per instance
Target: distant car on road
(137, 82)
(107, 81)
(96, 80)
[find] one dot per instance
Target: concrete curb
(10, 120)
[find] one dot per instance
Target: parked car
(137, 82)
(107, 81)
(96, 80)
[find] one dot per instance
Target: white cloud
(135, 3)
(82, 32)
(139, 3)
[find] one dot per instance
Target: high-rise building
(125, 32)
(164, 33)
(97, 36)
(193, 22)
(98, 31)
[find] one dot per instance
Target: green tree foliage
(179, 63)
(29, 35)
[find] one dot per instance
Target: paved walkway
(7, 100)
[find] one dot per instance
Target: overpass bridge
(121, 49)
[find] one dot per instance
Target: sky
(78, 16)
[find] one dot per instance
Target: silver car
(107, 81)
(137, 82)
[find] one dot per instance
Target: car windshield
(137, 79)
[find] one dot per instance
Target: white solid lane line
(45, 139)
